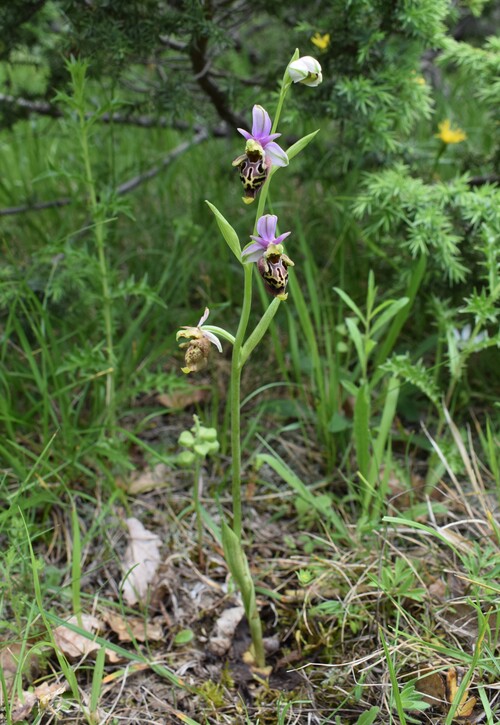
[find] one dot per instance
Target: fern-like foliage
(414, 373)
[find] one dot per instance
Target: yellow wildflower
(420, 80)
(448, 135)
(321, 41)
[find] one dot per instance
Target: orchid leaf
(299, 145)
(227, 232)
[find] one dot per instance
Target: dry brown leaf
(148, 480)
(10, 664)
(433, 688)
(75, 645)
(438, 589)
(467, 703)
(439, 689)
(224, 629)
(140, 561)
(21, 710)
(459, 618)
(134, 628)
(46, 693)
(43, 695)
(182, 398)
(456, 539)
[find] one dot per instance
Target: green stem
(235, 400)
(99, 234)
(439, 153)
(197, 505)
(255, 624)
(220, 332)
(285, 85)
(462, 357)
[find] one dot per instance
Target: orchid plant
(261, 158)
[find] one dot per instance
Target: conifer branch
(44, 108)
(201, 65)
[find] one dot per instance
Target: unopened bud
(306, 70)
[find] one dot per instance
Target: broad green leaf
(183, 637)
(362, 429)
(227, 231)
(237, 564)
(211, 525)
(389, 313)
(328, 512)
(338, 423)
(300, 145)
(355, 336)
(368, 717)
(351, 388)
(350, 303)
(391, 336)
(388, 415)
(454, 358)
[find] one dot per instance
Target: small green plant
(101, 215)
(406, 698)
(364, 330)
(199, 442)
(397, 581)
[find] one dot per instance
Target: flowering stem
(439, 153)
(235, 398)
(462, 357)
(285, 85)
(197, 505)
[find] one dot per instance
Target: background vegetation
(371, 411)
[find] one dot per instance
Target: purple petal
(266, 226)
(245, 134)
(265, 140)
(261, 125)
(276, 154)
(281, 237)
(261, 242)
(257, 248)
(252, 257)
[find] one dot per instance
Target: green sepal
(227, 231)
(204, 448)
(208, 434)
(186, 439)
(185, 459)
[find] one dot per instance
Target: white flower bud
(305, 70)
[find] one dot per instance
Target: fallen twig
(129, 185)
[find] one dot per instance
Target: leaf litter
(319, 601)
(140, 561)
